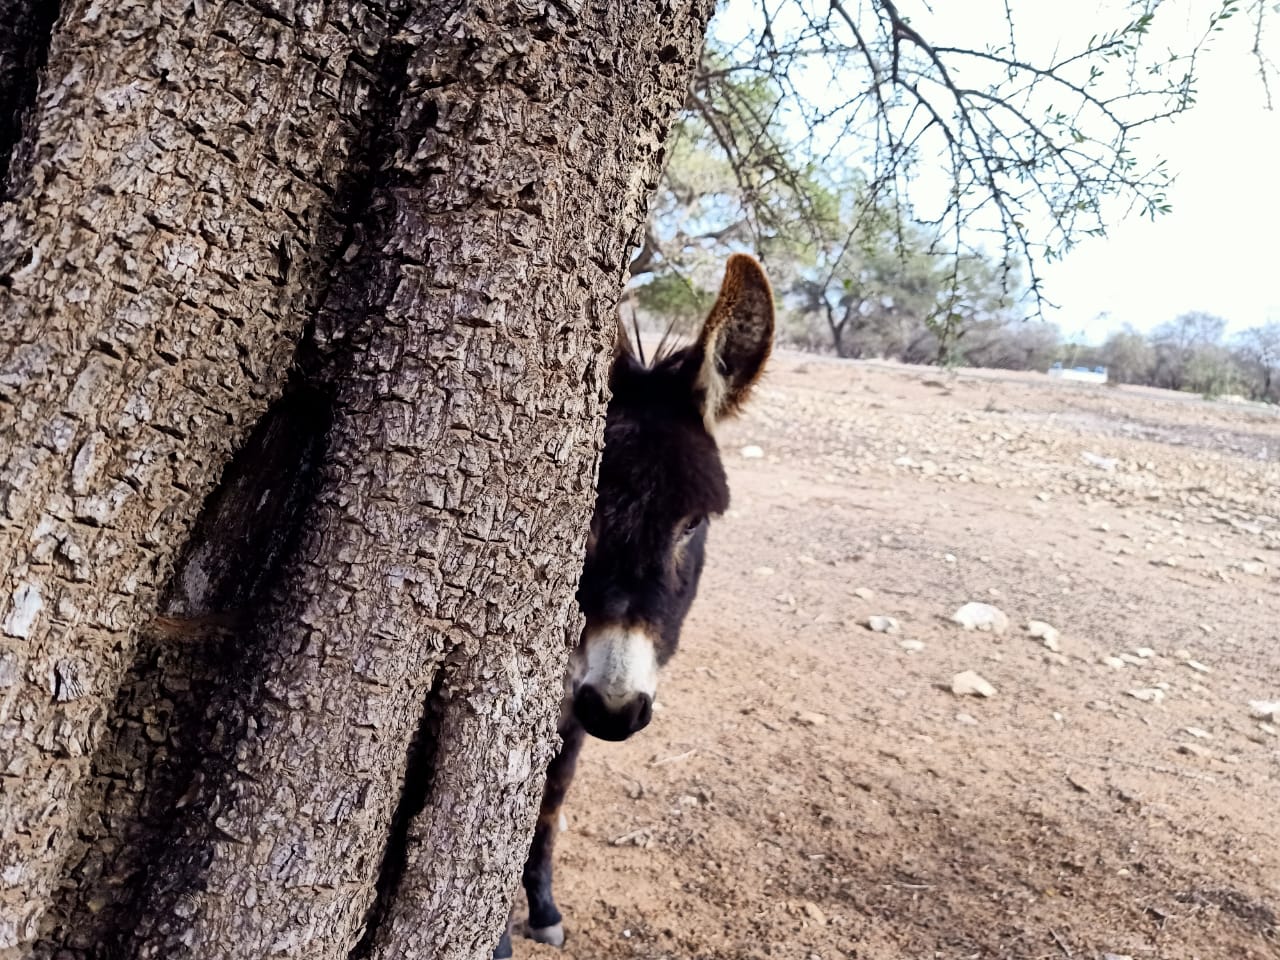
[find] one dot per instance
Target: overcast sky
(1219, 250)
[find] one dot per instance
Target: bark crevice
(24, 50)
(419, 774)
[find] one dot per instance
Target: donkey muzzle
(614, 695)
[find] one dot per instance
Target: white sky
(1219, 250)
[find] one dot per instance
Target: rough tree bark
(332, 743)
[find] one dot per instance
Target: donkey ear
(736, 339)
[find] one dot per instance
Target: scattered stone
(981, 616)
(1046, 634)
(1195, 750)
(883, 625)
(1253, 568)
(1115, 663)
(751, 452)
(1043, 497)
(911, 646)
(1181, 654)
(1197, 666)
(1197, 732)
(948, 558)
(1147, 694)
(1102, 463)
(1146, 653)
(809, 719)
(763, 571)
(1133, 660)
(970, 684)
(967, 719)
(864, 593)
(814, 913)
(1077, 785)
(1264, 709)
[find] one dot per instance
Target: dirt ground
(813, 789)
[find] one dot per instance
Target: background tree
(1188, 351)
(1259, 350)
(1128, 356)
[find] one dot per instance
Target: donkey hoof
(553, 935)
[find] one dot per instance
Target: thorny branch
(1037, 149)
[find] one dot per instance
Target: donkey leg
(544, 917)
(503, 950)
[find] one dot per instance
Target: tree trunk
(334, 740)
(837, 329)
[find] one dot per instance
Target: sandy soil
(813, 789)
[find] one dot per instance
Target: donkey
(660, 480)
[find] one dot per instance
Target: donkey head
(660, 480)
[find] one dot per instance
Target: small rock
(1197, 666)
(864, 593)
(883, 625)
(1194, 750)
(751, 452)
(1043, 497)
(1181, 654)
(1264, 709)
(1132, 660)
(967, 719)
(1147, 694)
(1253, 568)
(1146, 653)
(1046, 634)
(970, 684)
(981, 616)
(763, 571)
(1198, 733)
(809, 719)
(1078, 785)
(814, 913)
(911, 646)
(1102, 463)
(948, 558)
(1115, 663)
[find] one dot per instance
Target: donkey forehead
(659, 463)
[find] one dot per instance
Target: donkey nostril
(641, 712)
(611, 721)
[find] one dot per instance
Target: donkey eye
(691, 527)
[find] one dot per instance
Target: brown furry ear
(736, 338)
